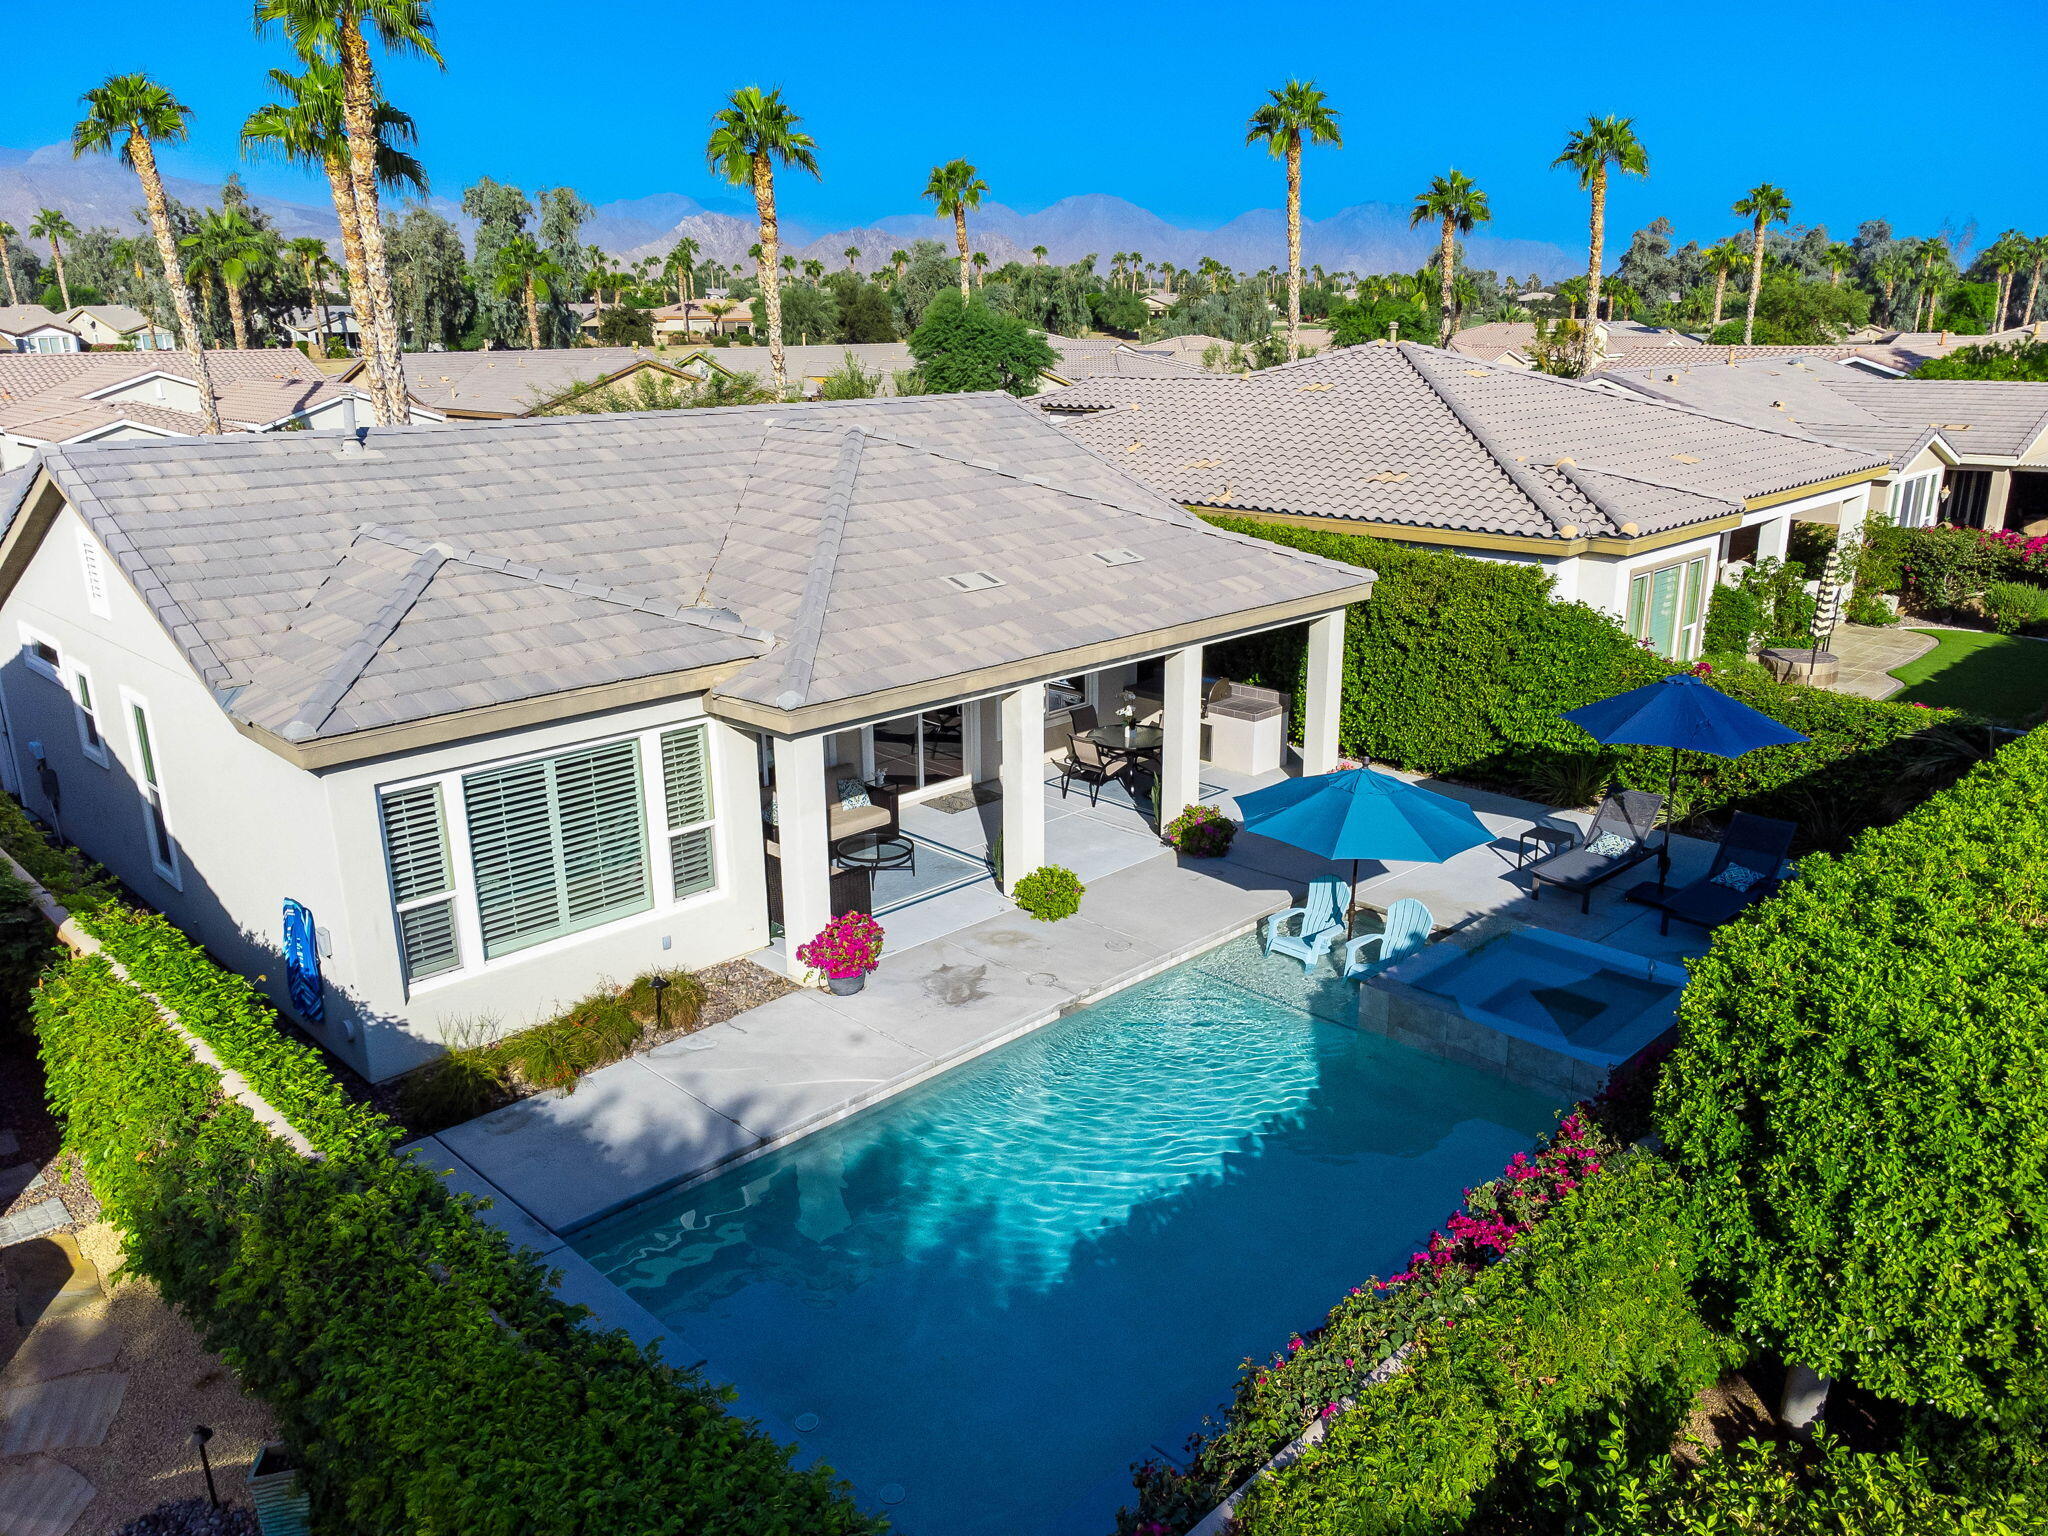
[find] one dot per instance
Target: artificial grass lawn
(2001, 677)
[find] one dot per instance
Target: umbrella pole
(1351, 902)
(1664, 848)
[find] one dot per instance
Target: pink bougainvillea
(849, 945)
(1494, 1215)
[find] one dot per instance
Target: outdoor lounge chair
(1746, 869)
(1317, 923)
(1407, 929)
(1618, 839)
(1091, 765)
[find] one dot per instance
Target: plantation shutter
(422, 881)
(557, 845)
(686, 786)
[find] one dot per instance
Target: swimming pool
(980, 1301)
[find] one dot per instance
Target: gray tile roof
(119, 317)
(1089, 358)
(18, 319)
(253, 389)
(1415, 436)
(322, 588)
(510, 383)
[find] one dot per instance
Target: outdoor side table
(1541, 842)
(875, 851)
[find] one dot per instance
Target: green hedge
(427, 1374)
(1859, 1102)
(1464, 667)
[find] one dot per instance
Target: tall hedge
(427, 1375)
(1859, 1102)
(1464, 667)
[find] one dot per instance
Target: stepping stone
(44, 1216)
(59, 1415)
(64, 1346)
(43, 1498)
(14, 1180)
(51, 1278)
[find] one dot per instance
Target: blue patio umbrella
(1686, 714)
(1358, 814)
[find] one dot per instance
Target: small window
(686, 786)
(42, 655)
(95, 570)
(86, 711)
(156, 823)
(422, 880)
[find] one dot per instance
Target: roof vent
(1117, 556)
(973, 581)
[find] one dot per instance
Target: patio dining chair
(1089, 764)
(1316, 924)
(1407, 929)
(1747, 867)
(1618, 839)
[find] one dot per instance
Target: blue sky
(1050, 101)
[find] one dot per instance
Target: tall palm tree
(1839, 259)
(852, 255)
(139, 112)
(51, 225)
(1935, 263)
(1038, 255)
(2037, 258)
(899, 260)
(954, 188)
(2006, 258)
(1766, 205)
(750, 135)
(229, 249)
(1891, 270)
(813, 270)
(1724, 261)
(320, 29)
(531, 273)
(1604, 145)
(9, 232)
(980, 260)
(310, 252)
(306, 126)
(1455, 203)
(682, 269)
(1292, 116)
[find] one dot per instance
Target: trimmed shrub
(2016, 607)
(1201, 832)
(1858, 1103)
(1050, 893)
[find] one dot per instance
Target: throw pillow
(1610, 845)
(1736, 878)
(853, 793)
(774, 818)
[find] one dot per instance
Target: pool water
(982, 1300)
(1551, 986)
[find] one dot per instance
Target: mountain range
(1368, 237)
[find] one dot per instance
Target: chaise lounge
(1618, 839)
(1747, 868)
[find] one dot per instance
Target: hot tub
(1546, 1009)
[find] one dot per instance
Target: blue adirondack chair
(1407, 930)
(1317, 923)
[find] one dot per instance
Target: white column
(1324, 697)
(1021, 742)
(1180, 755)
(1855, 516)
(1995, 500)
(804, 835)
(1774, 538)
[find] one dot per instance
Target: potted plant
(1050, 893)
(845, 950)
(1201, 832)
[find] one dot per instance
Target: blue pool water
(982, 1300)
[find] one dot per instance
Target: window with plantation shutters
(558, 845)
(422, 880)
(686, 792)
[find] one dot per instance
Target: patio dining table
(1127, 740)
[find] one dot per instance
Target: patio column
(1774, 538)
(1180, 754)
(1995, 500)
(804, 836)
(1021, 732)
(1324, 698)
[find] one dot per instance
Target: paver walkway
(1869, 655)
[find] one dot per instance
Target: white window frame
(654, 814)
(1919, 496)
(85, 710)
(92, 564)
(147, 746)
(53, 670)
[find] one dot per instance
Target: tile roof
(119, 317)
(43, 396)
(1416, 436)
(326, 582)
(18, 319)
(509, 383)
(1090, 358)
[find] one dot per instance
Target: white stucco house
(32, 328)
(1630, 504)
(118, 325)
(511, 707)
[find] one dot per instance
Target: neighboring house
(32, 328)
(1193, 349)
(709, 316)
(1969, 452)
(1093, 358)
(118, 325)
(312, 328)
(1159, 301)
(1629, 504)
(807, 367)
(85, 397)
(1512, 341)
(1876, 361)
(490, 386)
(514, 707)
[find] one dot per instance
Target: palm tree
(137, 110)
(2037, 258)
(227, 247)
(1724, 261)
(306, 126)
(813, 270)
(681, 268)
(1456, 204)
(1766, 205)
(9, 232)
(1839, 259)
(2005, 258)
(1038, 255)
(51, 225)
(1605, 144)
(530, 272)
(323, 28)
(1294, 115)
(1890, 271)
(899, 260)
(1935, 264)
(954, 188)
(315, 264)
(749, 135)
(980, 267)
(852, 255)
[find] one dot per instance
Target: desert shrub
(682, 1000)
(2016, 607)
(465, 1081)
(1941, 568)
(1857, 1104)
(1866, 608)
(1050, 893)
(1201, 831)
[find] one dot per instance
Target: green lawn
(2002, 677)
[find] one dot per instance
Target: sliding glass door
(918, 751)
